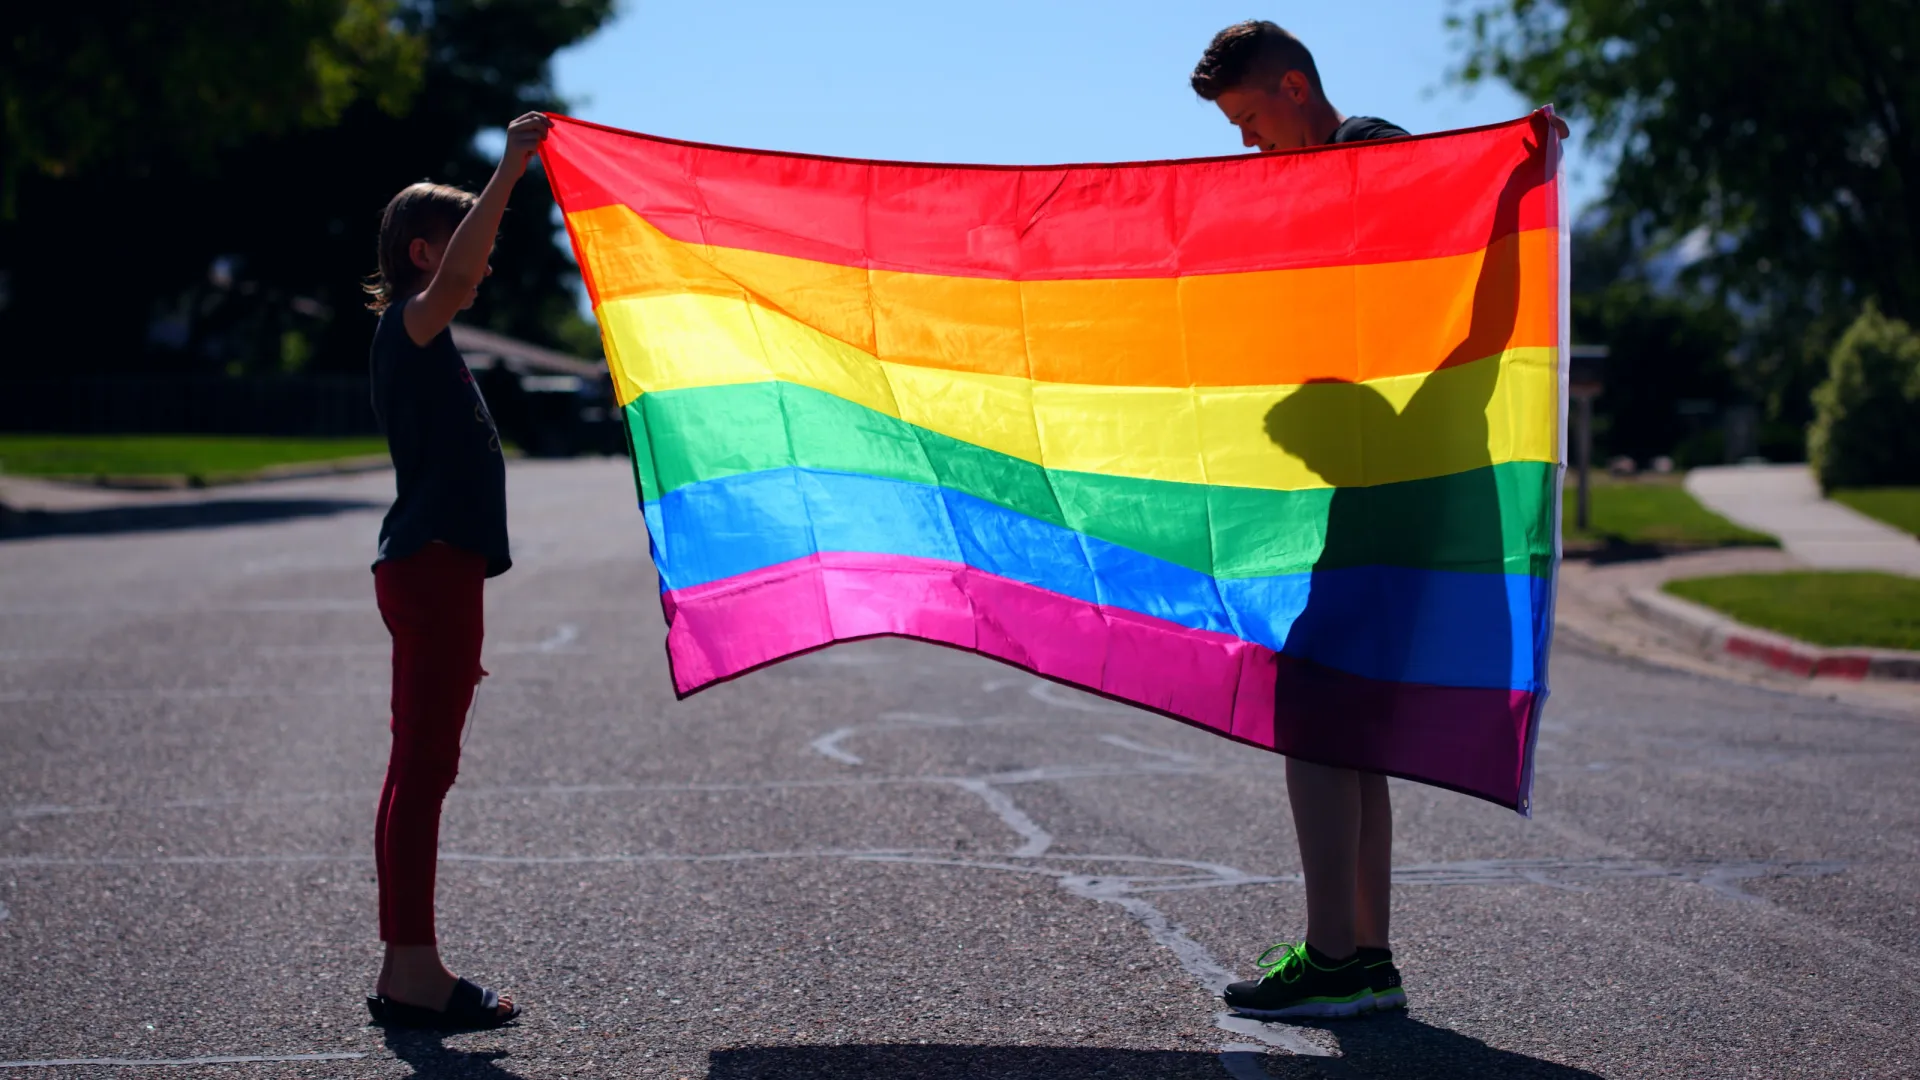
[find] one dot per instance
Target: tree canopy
(216, 206)
(1779, 131)
(130, 88)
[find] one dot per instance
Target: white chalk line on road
(1203, 875)
(563, 636)
(1125, 743)
(1193, 957)
(924, 856)
(1281, 1036)
(1060, 697)
(1241, 1061)
(828, 745)
(1043, 774)
(222, 1059)
(194, 693)
(189, 607)
(1036, 841)
(560, 640)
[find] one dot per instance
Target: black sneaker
(1298, 984)
(1383, 979)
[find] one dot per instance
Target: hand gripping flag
(1271, 443)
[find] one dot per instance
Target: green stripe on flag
(1495, 519)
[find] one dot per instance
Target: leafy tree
(254, 261)
(134, 87)
(1784, 128)
(1775, 137)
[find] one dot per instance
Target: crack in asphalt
(1240, 1060)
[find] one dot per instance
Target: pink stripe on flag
(1472, 740)
(1465, 738)
(736, 624)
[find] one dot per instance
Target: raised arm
(463, 264)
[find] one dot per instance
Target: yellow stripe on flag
(1385, 430)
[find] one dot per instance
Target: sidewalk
(33, 494)
(34, 508)
(25, 494)
(1784, 500)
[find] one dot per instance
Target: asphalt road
(886, 859)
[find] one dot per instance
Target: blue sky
(999, 81)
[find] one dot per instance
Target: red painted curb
(1804, 664)
(1715, 633)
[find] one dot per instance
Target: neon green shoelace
(1290, 966)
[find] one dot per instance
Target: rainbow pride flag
(1270, 443)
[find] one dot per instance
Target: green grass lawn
(1653, 511)
(1897, 506)
(1823, 607)
(168, 455)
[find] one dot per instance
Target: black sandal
(471, 1008)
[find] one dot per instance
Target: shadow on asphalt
(432, 1059)
(1615, 550)
(30, 524)
(1386, 1046)
(1397, 1044)
(893, 1062)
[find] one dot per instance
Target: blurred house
(547, 403)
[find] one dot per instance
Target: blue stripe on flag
(1383, 622)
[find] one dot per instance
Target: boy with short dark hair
(1266, 83)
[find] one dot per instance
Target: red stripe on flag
(1375, 202)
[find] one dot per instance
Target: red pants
(431, 603)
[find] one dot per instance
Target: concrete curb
(301, 470)
(1717, 635)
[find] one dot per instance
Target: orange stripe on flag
(1343, 322)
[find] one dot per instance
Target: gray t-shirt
(1363, 128)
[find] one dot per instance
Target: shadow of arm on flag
(1411, 582)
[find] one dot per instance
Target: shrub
(1866, 427)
